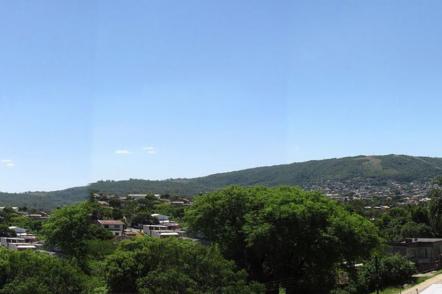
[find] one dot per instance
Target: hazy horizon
(95, 90)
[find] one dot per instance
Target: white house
(22, 246)
(18, 231)
(6, 241)
(159, 231)
(137, 196)
(160, 217)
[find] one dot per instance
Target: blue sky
(159, 89)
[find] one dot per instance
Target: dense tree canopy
(283, 236)
(39, 273)
(148, 265)
(405, 222)
(435, 211)
(70, 228)
(386, 271)
(5, 231)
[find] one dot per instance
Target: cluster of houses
(426, 253)
(40, 215)
(22, 241)
(165, 228)
(172, 200)
(364, 188)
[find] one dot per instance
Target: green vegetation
(438, 181)
(70, 228)
(411, 221)
(376, 169)
(252, 240)
(39, 273)
(392, 271)
(284, 237)
(44, 200)
(148, 265)
(89, 260)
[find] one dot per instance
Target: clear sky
(159, 89)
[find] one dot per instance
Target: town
(404, 193)
(157, 226)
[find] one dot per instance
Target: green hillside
(377, 169)
(44, 200)
(393, 167)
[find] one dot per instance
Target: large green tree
(435, 211)
(70, 228)
(39, 273)
(284, 237)
(385, 271)
(149, 265)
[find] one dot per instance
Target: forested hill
(44, 200)
(377, 169)
(400, 168)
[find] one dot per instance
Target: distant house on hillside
(161, 218)
(160, 231)
(13, 208)
(103, 203)
(137, 196)
(18, 231)
(426, 253)
(38, 216)
(116, 227)
(16, 243)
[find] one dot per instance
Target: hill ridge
(373, 168)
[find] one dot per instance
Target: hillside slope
(399, 168)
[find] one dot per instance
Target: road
(422, 286)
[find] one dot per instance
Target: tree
(32, 272)
(69, 228)
(419, 214)
(283, 236)
(149, 265)
(416, 230)
(143, 218)
(176, 212)
(115, 203)
(390, 270)
(117, 213)
(6, 232)
(438, 181)
(435, 211)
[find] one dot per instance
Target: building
(426, 253)
(132, 233)
(116, 227)
(161, 218)
(18, 231)
(160, 231)
(38, 216)
(137, 196)
(6, 241)
(22, 246)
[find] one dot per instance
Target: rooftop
(110, 222)
(418, 240)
